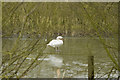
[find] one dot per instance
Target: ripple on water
(78, 63)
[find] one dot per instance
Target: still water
(72, 59)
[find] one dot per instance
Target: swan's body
(55, 43)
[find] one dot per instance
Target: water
(72, 60)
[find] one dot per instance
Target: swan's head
(59, 38)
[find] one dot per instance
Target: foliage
(69, 19)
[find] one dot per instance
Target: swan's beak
(62, 39)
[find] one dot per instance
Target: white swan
(56, 43)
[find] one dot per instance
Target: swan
(56, 43)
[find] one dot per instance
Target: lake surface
(72, 59)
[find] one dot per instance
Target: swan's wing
(52, 43)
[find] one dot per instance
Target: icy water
(71, 60)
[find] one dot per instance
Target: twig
(25, 57)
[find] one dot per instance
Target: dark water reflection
(72, 59)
